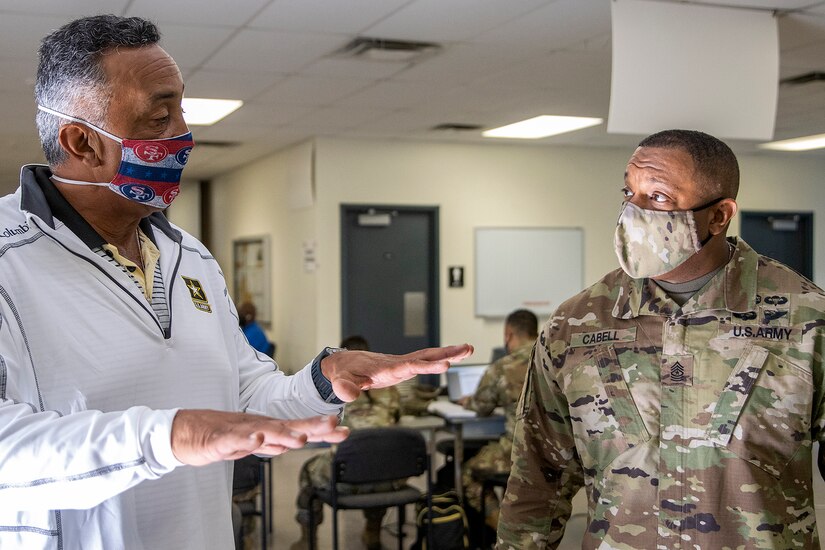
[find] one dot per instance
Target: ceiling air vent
(814, 76)
(456, 127)
(380, 49)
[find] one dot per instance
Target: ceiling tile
(588, 70)
(224, 131)
(311, 90)
(460, 63)
(812, 55)
(268, 114)
(436, 20)
(349, 17)
(273, 51)
(403, 121)
(502, 61)
(20, 35)
(557, 25)
(336, 118)
(343, 67)
(194, 12)
(75, 8)
(214, 161)
(392, 95)
(758, 4)
(798, 29)
(18, 75)
(191, 46)
(230, 84)
(790, 68)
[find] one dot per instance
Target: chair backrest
(380, 454)
(247, 474)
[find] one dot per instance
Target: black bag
(449, 530)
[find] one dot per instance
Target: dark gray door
(389, 264)
(784, 236)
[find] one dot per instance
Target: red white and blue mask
(150, 169)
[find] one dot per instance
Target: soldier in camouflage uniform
(500, 387)
(373, 408)
(683, 391)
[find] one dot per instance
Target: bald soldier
(684, 390)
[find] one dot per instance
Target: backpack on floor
(449, 523)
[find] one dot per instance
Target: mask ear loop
(702, 243)
(77, 182)
(81, 121)
(90, 125)
(707, 204)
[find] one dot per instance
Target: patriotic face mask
(150, 169)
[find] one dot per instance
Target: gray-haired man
(121, 361)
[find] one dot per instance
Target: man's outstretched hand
(350, 372)
(204, 436)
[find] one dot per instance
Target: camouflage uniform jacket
(689, 427)
(500, 387)
(373, 408)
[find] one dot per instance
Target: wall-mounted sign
(455, 274)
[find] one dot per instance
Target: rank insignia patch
(197, 294)
(677, 370)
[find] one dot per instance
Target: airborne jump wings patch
(197, 294)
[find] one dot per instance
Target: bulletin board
(252, 275)
(535, 268)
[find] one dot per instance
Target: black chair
(445, 476)
(249, 473)
(369, 456)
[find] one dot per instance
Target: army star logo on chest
(197, 294)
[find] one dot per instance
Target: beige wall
(253, 202)
(185, 211)
(495, 185)
(474, 185)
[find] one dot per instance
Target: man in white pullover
(121, 362)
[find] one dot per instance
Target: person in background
(684, 390)
(126, 386)
(500, 386)
(373, 408)
(253, 331)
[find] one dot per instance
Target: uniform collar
(522, 350)
(733, 288)
(41, 198)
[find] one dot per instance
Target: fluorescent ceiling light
(797, 144)
(204, 112)
(542, 126)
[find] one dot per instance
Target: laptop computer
(463, 380)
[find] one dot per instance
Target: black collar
(42, 198)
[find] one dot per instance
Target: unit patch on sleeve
(197, 294)
(602, 337)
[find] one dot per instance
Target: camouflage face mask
(650, 243)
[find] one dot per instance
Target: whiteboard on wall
(534, 268)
